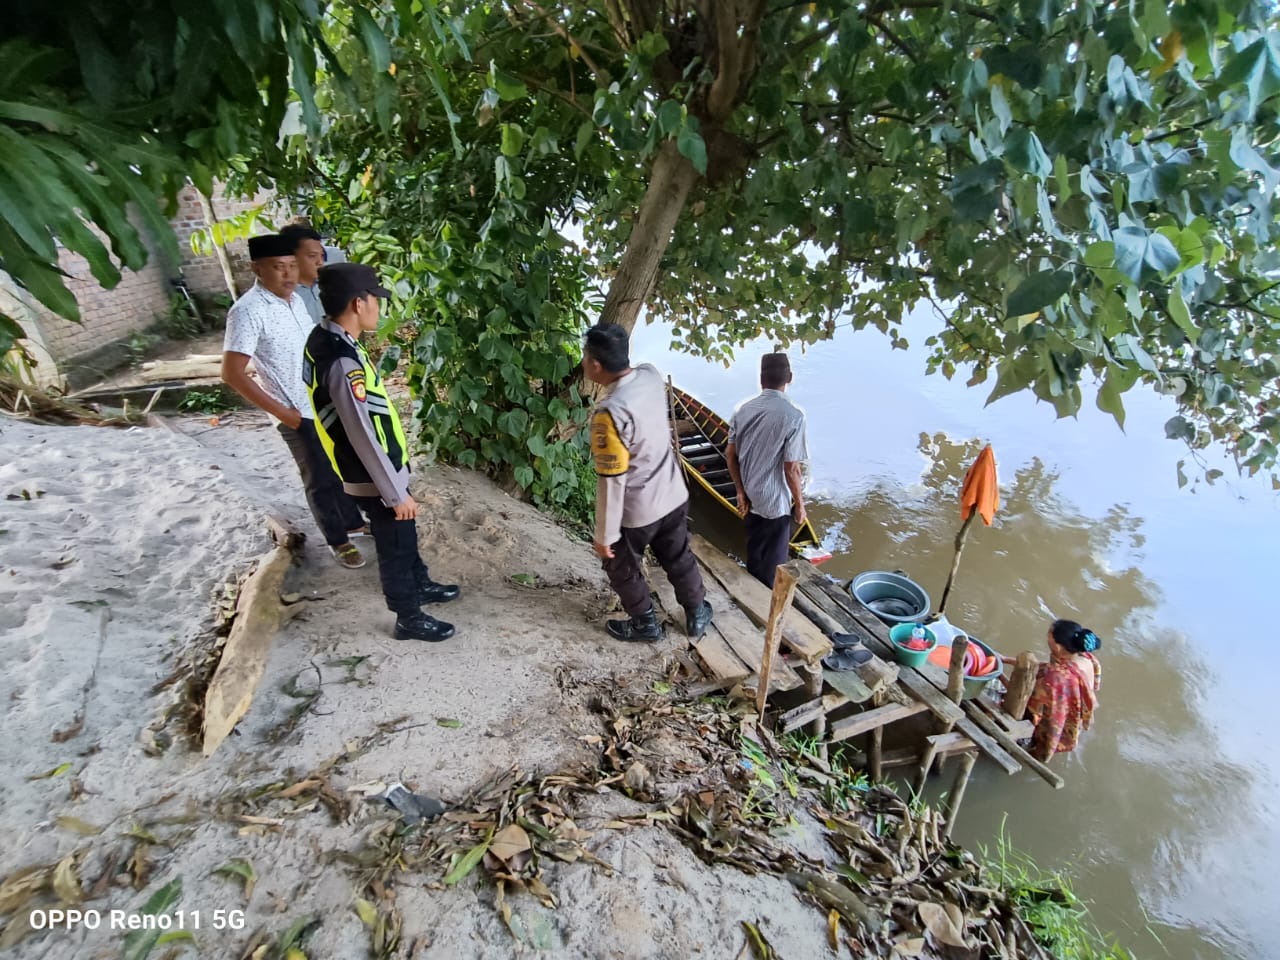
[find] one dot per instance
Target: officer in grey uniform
(641, 497)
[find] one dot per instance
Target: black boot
(418, 626)
(432, 592)
(643, 628)
(697, 621)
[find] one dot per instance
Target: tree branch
(724, 89)
(602, 76)
(893, 38)
(970, 8)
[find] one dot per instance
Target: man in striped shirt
(765, 454)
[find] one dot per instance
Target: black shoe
(418, 626)
(643, 628)
(698, 621)
(434, 592)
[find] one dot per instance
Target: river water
(1169, 823)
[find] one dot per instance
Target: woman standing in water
(1065, 694)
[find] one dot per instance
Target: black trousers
(400, 564)
(768, 545)
(669, 540)
(333, 508)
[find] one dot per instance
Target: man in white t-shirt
(270, 325)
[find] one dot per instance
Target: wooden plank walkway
(732, 647)
(800, 635)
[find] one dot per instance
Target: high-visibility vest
(325, 348)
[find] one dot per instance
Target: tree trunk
(219, 251)
(672, 178)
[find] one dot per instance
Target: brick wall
(138, 301)
(203, 274)
(141, 298)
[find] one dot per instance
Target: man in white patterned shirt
(270, 325)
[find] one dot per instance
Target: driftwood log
(194, 366)
(260, 613)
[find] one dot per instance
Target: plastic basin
(975, 685)
(900, 634)
(892, 597)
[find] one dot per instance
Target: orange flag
(981, 490)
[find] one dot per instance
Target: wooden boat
(700, 435)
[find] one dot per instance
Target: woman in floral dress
(1066, 690)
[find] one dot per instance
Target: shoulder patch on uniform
(611, 457)
(356, 379)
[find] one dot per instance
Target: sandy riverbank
(107, 575)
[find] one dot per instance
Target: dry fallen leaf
(21, 885)
(509, 841)
(833, 930)
(938, 922)
(909, 948)
(76, 825)
(66, 883)
(302, 786)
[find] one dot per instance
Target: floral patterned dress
(1062, 704)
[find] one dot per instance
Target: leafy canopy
(1083, 190)
(107, 108)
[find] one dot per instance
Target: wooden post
(784, 587)
(219, 251)
(955, 562)
(926, 763)
(958, 788)
(1021, 685)
(875, 755)
(955, 677)
(813, 687)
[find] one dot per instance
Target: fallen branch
(259, 615)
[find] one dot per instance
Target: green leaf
(524, 476)
(139, 943)
(468, 862)
(1257, 67)
(1109, 398)
(448, 722)
(366, 911)
(508, 87)
(1038, 291)
(1000, 107)
(1062, 174)
(586, 130)
(1180, 314)
(1179, 428)
(374, 39)
(691, 145)
(1187, 243)
(512, 139)
(241, 869)
(670, 117)
(1136, 250)
(1024, 152)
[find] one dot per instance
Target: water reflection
(1168, 817)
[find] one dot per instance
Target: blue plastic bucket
(892, 597)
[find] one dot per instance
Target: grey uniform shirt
(639, 477)
(389, 482)
(311, 300)
(768, 431)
